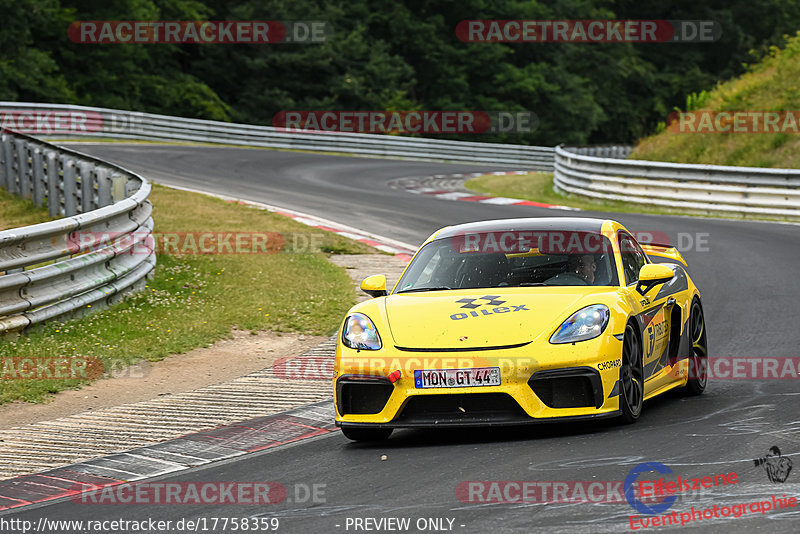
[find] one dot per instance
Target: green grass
(195, 300)
(538, 186)
(15, 211)
(770, 85)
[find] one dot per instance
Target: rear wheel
(698, 362)
(366, 434)
(631, 377)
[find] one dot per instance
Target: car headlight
(586, 323)
(360, 333)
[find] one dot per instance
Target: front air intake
(579, 387)
(362, 395)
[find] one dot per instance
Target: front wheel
(366, 434)
(698, 362)
(631, 377)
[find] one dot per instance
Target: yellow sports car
(519, 321)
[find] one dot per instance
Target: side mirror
(374, 286)
(651, 275)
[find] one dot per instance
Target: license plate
(457, 378)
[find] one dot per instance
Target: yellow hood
(479, 318)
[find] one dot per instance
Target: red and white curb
(450, 187)
(170, 456)
(402, 250)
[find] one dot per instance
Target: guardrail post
(118, 187)
(87, 186)
(130, 188)
(3, 159)
(70, 202)
(25, 190)
(38, 176)
(53, 191)
(11, 177)
(103, 187)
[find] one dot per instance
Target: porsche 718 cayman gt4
(518, 321)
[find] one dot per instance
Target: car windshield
(512, 259)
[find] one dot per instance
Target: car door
(652, 311)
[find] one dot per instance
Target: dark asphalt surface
(747, 272)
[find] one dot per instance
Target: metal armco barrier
(102, 247)
(603, 151)
(79, 121)
(715, 189)
(597, 172)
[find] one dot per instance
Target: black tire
(631, 377)
(698, 361)
(366, 434)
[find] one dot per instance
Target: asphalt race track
(747, 271)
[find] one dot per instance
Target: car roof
(528, 224)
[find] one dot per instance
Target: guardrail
(713, 189)
(596, 172)
(81, 121)
(603, 151)
(102, 248)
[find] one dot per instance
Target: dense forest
(388, 55)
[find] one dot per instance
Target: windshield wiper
(419, 289)
(532, 284)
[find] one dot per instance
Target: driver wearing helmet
(582, 265)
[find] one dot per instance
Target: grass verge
(196, 299)
(769, 86)
(15, 212)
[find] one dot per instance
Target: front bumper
(488, 423)
(539, 383)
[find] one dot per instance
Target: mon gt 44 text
(519, 321)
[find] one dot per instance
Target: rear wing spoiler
(659, 250)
